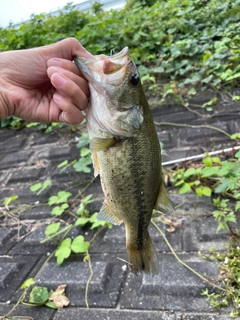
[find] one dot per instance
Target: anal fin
(163, 203)
(105, 214)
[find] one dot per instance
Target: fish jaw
(116, 107)
(102, 69)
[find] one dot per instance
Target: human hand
(43, 84)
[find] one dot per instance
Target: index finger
(66, 49)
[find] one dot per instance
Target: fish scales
(130, 175)
(126, 152)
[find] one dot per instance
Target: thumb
(66, 49)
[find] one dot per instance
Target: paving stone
(113, 286)
(174, 288)
(26, 196)
(233, 126)
(175, 117)
(31, 245)
(6, 239)
(15, 159)
(179, 153)
(58, 153)
(12, 273)
(26, 175)
(205, 317)
(25, 312)
(10, 145)
(104, 288)
(7, 134)
(44, 139)
(200, 235)
(166, 138)
(70, 174)
(99, 314)
(194, 134)
(36, 213)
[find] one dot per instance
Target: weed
(214, 177)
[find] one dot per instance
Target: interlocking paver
(26, 175)
(13, 271)
(24, 312)
(6, 235)
(97, 314)
(28, 156)
(104, 287)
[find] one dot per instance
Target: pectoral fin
(163, 203)
(106, 214)
(99, 144)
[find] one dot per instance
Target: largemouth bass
(125, 151)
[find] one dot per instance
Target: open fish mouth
(99, 68)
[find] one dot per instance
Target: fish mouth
(112, 67)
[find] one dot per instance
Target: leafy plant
(40, 296)
(214, 177)
(81, 218)
(229, 276)
(8, 200)
(40, 186)
(61, 199)
(185, 42)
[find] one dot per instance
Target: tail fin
(144, 259)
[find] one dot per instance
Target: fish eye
(134, 79)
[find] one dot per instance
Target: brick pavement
(28, 156)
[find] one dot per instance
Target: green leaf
(63, 196)
(185, 188)
(206, 191)
(79, 245)
(57, 211)
(36, 187)
(81, 221)
(237, 155)
(223, 172)
(84, 152)
(234, 76)
(223, 185)
(52, 228)
(60, 198)
(208, 79)
(51, 305)
(40, 187)
(63, 251)
(52, 200)
(207, 161)
(63, 164)
(8, 200)
(28, 283)
(39, 295)
(83, 140)
(199, 191)
(82, 164)
(64, 206)
(189, 172)
(237, 206)
(236, 98)
(45, 184)
(209, 171)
